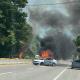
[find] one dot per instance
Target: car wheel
(52, 64)
(35, 64)
(41, 63)
(72, 67)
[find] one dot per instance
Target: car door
(77, 63)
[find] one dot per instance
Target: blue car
(50, 62)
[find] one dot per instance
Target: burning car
(46, 58)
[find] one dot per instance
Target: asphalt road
(31, 72)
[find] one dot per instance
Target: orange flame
(44, 54)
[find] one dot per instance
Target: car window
(77, 61)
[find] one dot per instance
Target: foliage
(29, 54)
(35, 45)
(77, 41)
(14, 30)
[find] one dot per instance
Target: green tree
(35, 45)
(77, 41)
(15, 32)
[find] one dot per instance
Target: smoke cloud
(57, 25)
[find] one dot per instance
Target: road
(31, 72)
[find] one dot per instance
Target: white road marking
(5, 73)
(57, 77)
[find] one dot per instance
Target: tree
(35, 45)
(15, 32)
(77, 41)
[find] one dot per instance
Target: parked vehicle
(38, 62)
(75, 64)
(50, 62)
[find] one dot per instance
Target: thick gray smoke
(60, 44)
(57, 25)
(76, 18)
(47, 18)
(74, 11)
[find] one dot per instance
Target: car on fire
(45, 62)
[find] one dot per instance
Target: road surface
(31, 72)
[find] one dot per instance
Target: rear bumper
(75, 66)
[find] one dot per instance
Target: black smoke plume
(63, 29)
(60, 44)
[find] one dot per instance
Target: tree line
(15, 32)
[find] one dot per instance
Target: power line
(67, 2)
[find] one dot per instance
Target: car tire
(41, 63)
(72, 67)
(36, 64)
(52, 64)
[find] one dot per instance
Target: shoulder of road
(8, 61)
